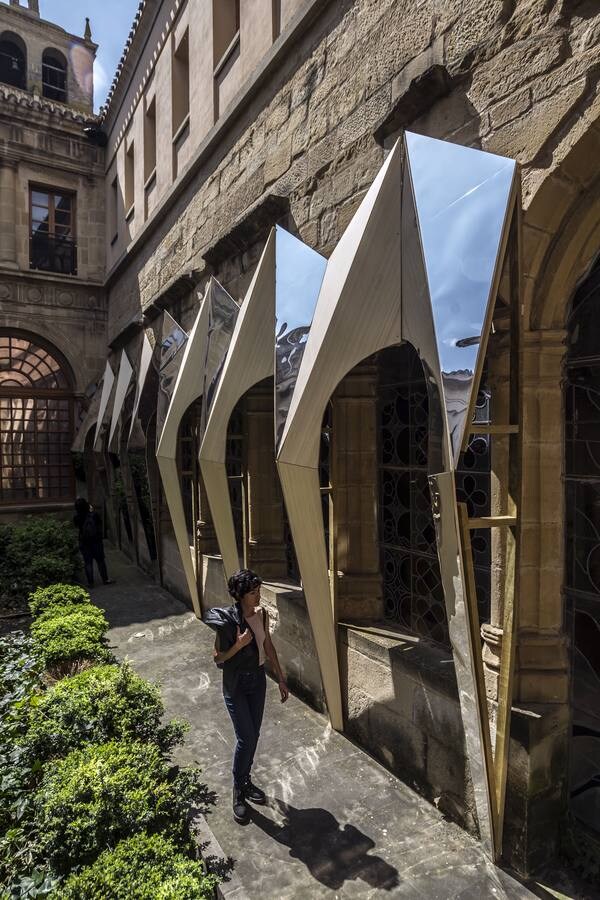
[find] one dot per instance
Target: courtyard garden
(91, 804)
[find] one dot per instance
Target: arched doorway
(582, 550)
(36, 423)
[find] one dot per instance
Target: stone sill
(420, 661)
(33, 275)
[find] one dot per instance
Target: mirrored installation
(203, 356)
(268, 340)
(419, 262)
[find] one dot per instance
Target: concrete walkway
(337, 824)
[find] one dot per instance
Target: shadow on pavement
(332, 854)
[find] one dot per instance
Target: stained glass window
(36, 424)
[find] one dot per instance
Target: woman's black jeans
(91, 552)
(246, 706)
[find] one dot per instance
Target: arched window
(54, 76)
(36, 423)
(582, 544)
(13, 61)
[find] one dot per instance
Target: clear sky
(110, 20)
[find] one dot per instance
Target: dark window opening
(52, 238)
(54, 76)
(582, 545)
(13, 67)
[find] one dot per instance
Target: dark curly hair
(242, 582)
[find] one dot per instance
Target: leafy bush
(42, 550)
(102, 793)
(101, 704)
(20, 686)
(66, 633)
(144, 867)
(56, 595)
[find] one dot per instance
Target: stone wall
(519, 79)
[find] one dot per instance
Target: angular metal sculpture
(172, 342)
(145, 396)
(203, 355)
(284, 290)
(299, 272)
(105, 402)
(462, 199)
(123, 383)
(385, 284)
(89, 420)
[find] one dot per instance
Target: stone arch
(13, 60)
(54, 75)
(561, 230)
(81, 371)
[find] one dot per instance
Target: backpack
(89, 529)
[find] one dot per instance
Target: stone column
(355, 496)
(542, 666)
(8, 215)
(266, 543)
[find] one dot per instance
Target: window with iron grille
(582, 545)
(36, 424)
(54, 76)
(52, 245)
(412, 587)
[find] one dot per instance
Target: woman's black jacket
(226, 621)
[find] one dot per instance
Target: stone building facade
(52, 301)
(226, 118)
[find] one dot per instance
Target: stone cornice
(26, 101)
(121, 67)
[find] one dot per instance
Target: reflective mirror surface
(136, 433)
(462, 198)
(172, 342)
(107, 386)
(299, 272)
(89, 420)
(123, 382)
(222, 315)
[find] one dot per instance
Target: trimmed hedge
(101, 704)
(42, 550)
(57, 595)
(100, 794)
(62, 634)
(144, 867)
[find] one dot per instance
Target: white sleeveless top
(257, 623)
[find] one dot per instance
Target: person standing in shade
(242, 644)
(91, 544)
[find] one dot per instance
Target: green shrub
(102, 793)
(101, 704)
(66, 633)
(42, 550)
(144, 867)
(56, 595)
(20, 687)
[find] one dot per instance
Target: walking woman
(91, 544)
(242, 644)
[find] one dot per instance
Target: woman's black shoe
(241, 813)
(254, 794)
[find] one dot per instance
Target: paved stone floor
(337, 824)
